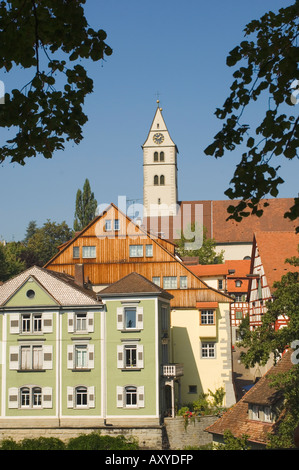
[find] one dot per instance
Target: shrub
(94, 441)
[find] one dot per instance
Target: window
(156, 180)
(161, 156)
(25, 397)
(169, 282)
(36, 397)
(108, 225)
(156, 156)
(130, 317)
(183, 282)
(208, 350)
(80, 356)
(116, 225)
(81, 396)
(192, 388)
(31, 398)
(239, 315)
(31, 323)
(148, 250)
(131, 396)
(220, 284)
(238, 283)
(76, 252)
(81, 360)
(157, 281)
(31, 357)
(30, 294)
(162, 180)
(88, 251)
(136, 251)
(207, 317)
(81, 322)
(131, 356)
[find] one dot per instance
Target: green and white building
(70, 358)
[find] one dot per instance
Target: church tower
(160, 183)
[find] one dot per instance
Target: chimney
(79, 274)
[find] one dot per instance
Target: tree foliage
(86, 205)
(206, 254)
(268, 68)
(266, 340)
(50, 39)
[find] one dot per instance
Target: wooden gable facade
(112, 246)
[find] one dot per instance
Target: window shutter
(140, 393)
(70, 356)
(47, 322)
(14, 357)
(90, 322)
(70, 397)
(140, 356)
(48, 357)
(120, 357)
(47, 397)
(139, 318)
(13, 395)
(91, 397)
(70, 322)
(120, 318)
(91, 356)
(14, 323)
(119, 397)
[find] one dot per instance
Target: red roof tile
(274, 248)
(236, 418)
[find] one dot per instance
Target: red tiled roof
(274, 248)
(214, 215)
(241, 268)
(236, 418)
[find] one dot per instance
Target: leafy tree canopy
(46, 37)
(206, 253)
(268, 68)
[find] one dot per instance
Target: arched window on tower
(156, 156)
(161, 156)
(156, 180)
(162, 180)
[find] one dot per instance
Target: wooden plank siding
(112, 259)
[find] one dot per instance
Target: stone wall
(172, 435)
(180, 436)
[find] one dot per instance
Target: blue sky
(174, 48)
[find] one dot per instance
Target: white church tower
(160, 183)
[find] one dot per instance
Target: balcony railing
(173, 370)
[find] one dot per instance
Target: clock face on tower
(158, 138)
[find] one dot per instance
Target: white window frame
(76, 252)
(170, 282)
(149, 251)
(16, 395)
(73, 362)
(72, 397)
(136, 251)
(183, 282)
(116, 225)
(208, 350)
(122, 395)
(121, 318)
(122, 356)
(156, 280)
(207, 317)
(89, 252)
(108, 225)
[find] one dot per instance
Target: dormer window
(261, 413)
